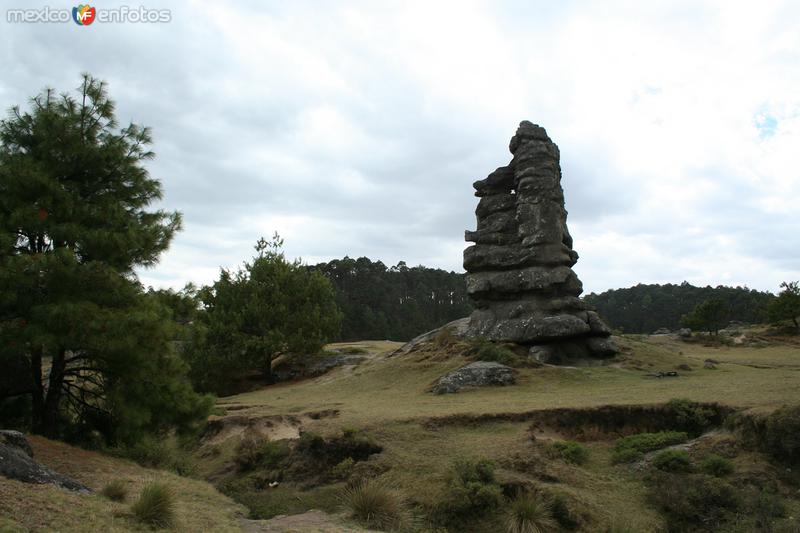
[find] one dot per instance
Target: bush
(343, 469)
(688, 503)
(562, 513)
(717, 466)
(673, 461)
(115, 491)
(374, 505)
(633, 447)
(782, 438)
(159, 453)
(489, 351)
(690, 416)
(569, 451)
(259, 452)
(472, 491)
(155, 506)
(529, 514)
(334, 450)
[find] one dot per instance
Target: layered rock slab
(519, 271)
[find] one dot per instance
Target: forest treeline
(396, 303)
(401, 302)
(646, 308)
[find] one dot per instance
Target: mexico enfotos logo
(85, 15)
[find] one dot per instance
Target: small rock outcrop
(477, 374)
(16, 462)
(519, 272)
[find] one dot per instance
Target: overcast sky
(357, 128)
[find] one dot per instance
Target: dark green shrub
(472, 492)
(528, 513)
(673, 461)
(155, 506)
(334, 450)
(489, 351)
(159, 453)
(782, 437)
(374, 505)
(252, 453)
(766, 507)
(562, 513)
(688, 503)
(116, 491)
(690, 416)
(569, 451)
(717, 466)
(343, 469)
(633, 447)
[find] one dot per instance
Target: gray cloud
(358, 128)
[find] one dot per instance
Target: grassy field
(387, 398)
(395, 388)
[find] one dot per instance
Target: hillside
(29, 507)
(385, 400)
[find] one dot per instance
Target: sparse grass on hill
(30, 507)
(387, 398)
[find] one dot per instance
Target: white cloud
(357, 128)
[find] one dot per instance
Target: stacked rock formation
(519, 272)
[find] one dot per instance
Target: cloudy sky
(357, 128)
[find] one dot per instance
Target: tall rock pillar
(519, 272)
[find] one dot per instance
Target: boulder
(477, 374)
(16, 462)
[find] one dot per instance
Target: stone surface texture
(16, 462)
(477, 374)
(519, 271)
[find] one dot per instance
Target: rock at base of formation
(16, 462)
(477, 374)
(519, 272)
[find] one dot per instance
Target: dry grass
(198, 506)
(387, 398)
(394, 389)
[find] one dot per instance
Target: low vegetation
(155, 506)
(116, 490)
(375, 505)
(673, 461)
(717, 466)
(528, 513)
(569, 451)
(633, 447)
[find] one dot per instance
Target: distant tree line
(398, 302)
(646, 308)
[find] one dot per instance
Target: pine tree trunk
(48, 417)
(38, 388)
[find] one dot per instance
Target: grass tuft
(374, 505)
(529, 514)
(155, 506)
(115, 491)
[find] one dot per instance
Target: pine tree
(269, 307)
(73, 226)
